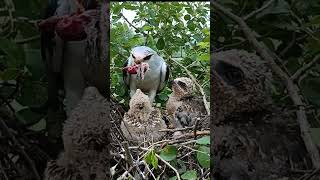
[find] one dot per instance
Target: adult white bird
(150, 72)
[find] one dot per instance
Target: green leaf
(189, 175)
(173, 178)
(147, 28)
(34, 63)
(27, 117)
(6, 91)
(187, 17)
(33, 93)
(315, 134)
(160, 44)
(116, 9)
(39, 126)
(204, 57)
(311, 89)
(9, 74)
(315, 20)
(169, 153)
(191, 26)
(203, 157)
(163, 97)
(181, 167)
(151, 159)
(130, 6)
(204, 140)
(14, 52)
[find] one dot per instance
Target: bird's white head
(182, 87)
(142, 54)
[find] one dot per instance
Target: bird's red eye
(147, 57)
(133, 56)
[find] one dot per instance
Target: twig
(292, 42)
(168, 164)
(291, 87)
(231, 45)
(20, 148)
(198, 133)
(176, 129)
(258, 10)
(147, 167)
(195, 128)
(144, 34)
(127, 151)
(206, 104)
(300, 71)
(3, 172)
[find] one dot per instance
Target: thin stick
(304, 68)
(144, 34)
(168, 164)
(3, 172)
(290, 86)
(206, 104)
(177, 129)
(20, 148)
(127, 151)
(195, 128)
(258, 10)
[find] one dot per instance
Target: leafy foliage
(174, 30)
(21, 68)
(182, 158)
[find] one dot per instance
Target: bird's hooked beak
(137, 61)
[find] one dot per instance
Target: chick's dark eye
(140, 106)
(231, 74)
(147, 57)
(182, 85)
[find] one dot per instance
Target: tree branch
(5, 128)
(290, 86)
(304, 68)
(168, 164)
(258, 10)
(144, 34)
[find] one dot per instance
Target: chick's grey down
(155, 77)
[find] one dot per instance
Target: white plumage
(154, 79)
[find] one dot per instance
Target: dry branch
(290, 86)
(302, 70)
(144, 34)
(5, 128)
(168, 164)
(258, 10)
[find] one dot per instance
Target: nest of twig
(130, 160)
